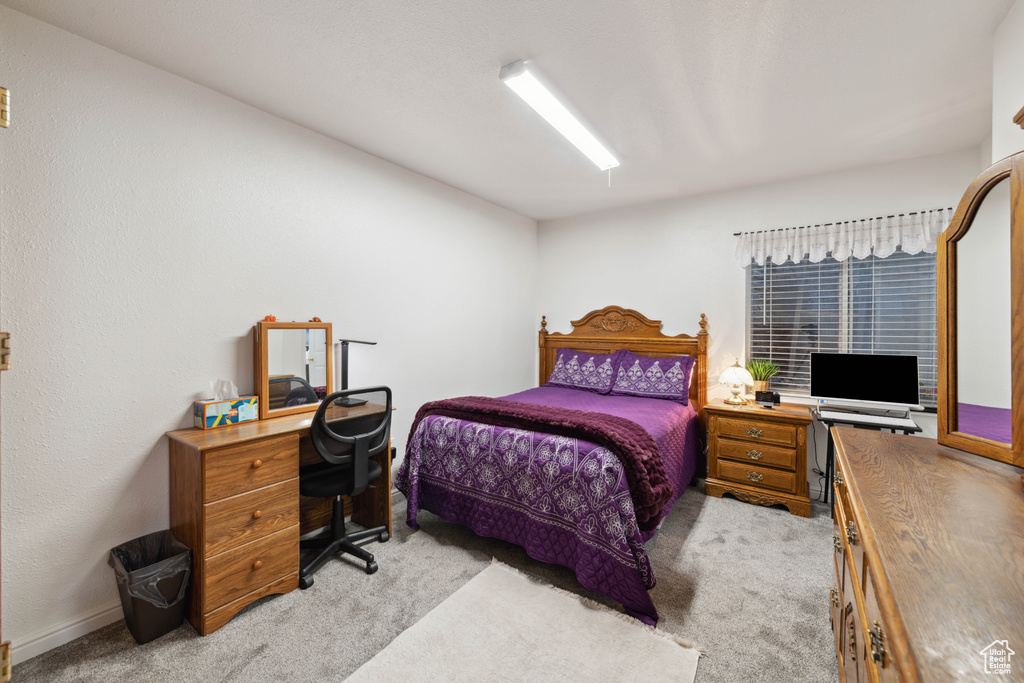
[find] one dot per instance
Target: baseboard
(23, 649)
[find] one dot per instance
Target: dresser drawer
(762, 477)
(756, 431)
(250, 516)
(849, 534)
(878, 643)
(234, 573)
(744, 451)
(249, 465)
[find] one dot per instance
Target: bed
(576, 477)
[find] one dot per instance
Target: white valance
(911, 233)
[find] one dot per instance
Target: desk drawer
(249, 465)
(250, 516)
(762, 477)
(234, 573)
(746, 452)
(755, 431)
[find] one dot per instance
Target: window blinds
(872, 305)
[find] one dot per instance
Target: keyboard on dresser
(759, 455)
(883, 421)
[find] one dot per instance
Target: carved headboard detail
(613, 328)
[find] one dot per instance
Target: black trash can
(152, 574)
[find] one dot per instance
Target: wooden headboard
(613, 328)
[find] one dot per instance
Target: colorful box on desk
(210, 414)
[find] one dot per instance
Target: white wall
(147, 224)
(983, 313)
(674, 260)
(1008, 83)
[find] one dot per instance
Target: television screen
(865, 377)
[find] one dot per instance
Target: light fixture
(525, 84)
(736, 377)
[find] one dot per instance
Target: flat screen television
(877, 380)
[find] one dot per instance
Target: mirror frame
(1011, 167)
(260, 365)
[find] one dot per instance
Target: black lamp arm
(344, 358)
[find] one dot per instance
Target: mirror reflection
(983, 321)
(296, 367)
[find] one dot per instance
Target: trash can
(152, 574)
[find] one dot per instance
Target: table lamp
(736, 378)
(348, 401)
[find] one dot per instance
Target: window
(874, 305)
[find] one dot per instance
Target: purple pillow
(649, 377)
(582, 370)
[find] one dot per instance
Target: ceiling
(692, 95)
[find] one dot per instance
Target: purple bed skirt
(564, 500)
(985, 421)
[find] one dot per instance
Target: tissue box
(210, 414)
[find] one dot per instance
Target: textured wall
(675, 260)
(147, 223)
(1008, 83)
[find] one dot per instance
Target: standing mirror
(981, 352)
(292, 366)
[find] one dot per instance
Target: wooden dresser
(929, 560)
(234, 500)
(759, 454)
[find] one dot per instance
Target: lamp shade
(735, 375)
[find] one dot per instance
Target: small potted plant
(761, 370)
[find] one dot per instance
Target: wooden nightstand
(759, 454)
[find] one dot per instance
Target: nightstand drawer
(762, 477)
(250, 465)
(250, 516)
(757, 431)
(757, 454)
(232, 574)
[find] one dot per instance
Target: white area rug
(505, 626)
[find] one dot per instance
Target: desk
(830, 450)
(234, 500)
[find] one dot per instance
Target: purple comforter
(565, 500)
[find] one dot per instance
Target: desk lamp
(348, 401)
(736, 377)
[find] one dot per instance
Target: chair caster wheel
(371, 567)
(383, 538)
(305, 582)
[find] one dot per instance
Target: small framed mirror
(292, 366)
(979, 263)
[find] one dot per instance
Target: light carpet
(749, 583)
(504, 626)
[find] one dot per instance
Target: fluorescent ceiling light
(526, 85)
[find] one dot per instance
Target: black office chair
(347, 470)
(289, 391)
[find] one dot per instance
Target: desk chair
(295, 392)
(347, 470)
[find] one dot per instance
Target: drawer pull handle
(838, 479)
(835, 597)
(257, 463)
(851, 533)
(257, 564)
(257, 514)
(755, 455)
(877, 644)
(756, 433)
(852, 643)
(755, 476)
(837, 541)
